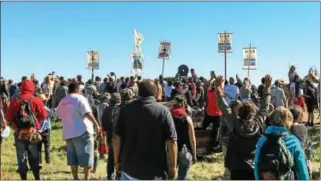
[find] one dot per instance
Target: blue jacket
(294, 146)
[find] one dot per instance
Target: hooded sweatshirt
(26, 91)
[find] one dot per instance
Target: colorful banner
(164, 50)
(137, 63)
(250, 58)
(93, 60)
(224, 42)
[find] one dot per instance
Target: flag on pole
(138, 39)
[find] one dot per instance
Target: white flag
(138, 39)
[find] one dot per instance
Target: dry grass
(58, 169)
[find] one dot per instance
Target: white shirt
(72, 110)
(232, 91)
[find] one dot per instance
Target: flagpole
(163, 67)
(225, 54)
(248, 68)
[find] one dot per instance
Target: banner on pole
(224, 42)
(93, 60)
(164, 50)
(137, 63)
(250, 58)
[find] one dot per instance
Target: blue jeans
(27, 152)
(110, 162)
(184, 161)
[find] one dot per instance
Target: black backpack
(25, 118)
(276, 158)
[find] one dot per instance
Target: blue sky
(41, 37)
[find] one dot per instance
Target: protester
(260, 89)
(127, 95)
(278, 98)
(246, 129)
(189, 96)
(292, 73)
(61, 92)
(121, 81)
(133, 86)
(311, 101)
(245, 91)
(78, 130)
(111, 86)
(47, 88)
(231, 91)
(103, 85)
(12, 89)
(186, 140)
(225, 133)
(193, 85)
(301, 132)
(200, 95)
(140, 145)
(213, 115)
(168, 91)
(27, 135)
(272, 164)
(97, 83)
(109, 119)
(45, 128)
(178, 90)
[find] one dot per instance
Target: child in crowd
(45, 128)
(301, 132)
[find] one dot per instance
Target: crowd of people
(145, 139)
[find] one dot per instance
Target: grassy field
(58, 169)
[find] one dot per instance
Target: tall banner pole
(164, 53)
(225, 56)
(225, 46)
(248, 68)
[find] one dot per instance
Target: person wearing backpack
(109, 119)
(279, 155)
(246, 128)
(24, 115)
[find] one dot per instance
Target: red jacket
(26, 90)
(212, 105)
